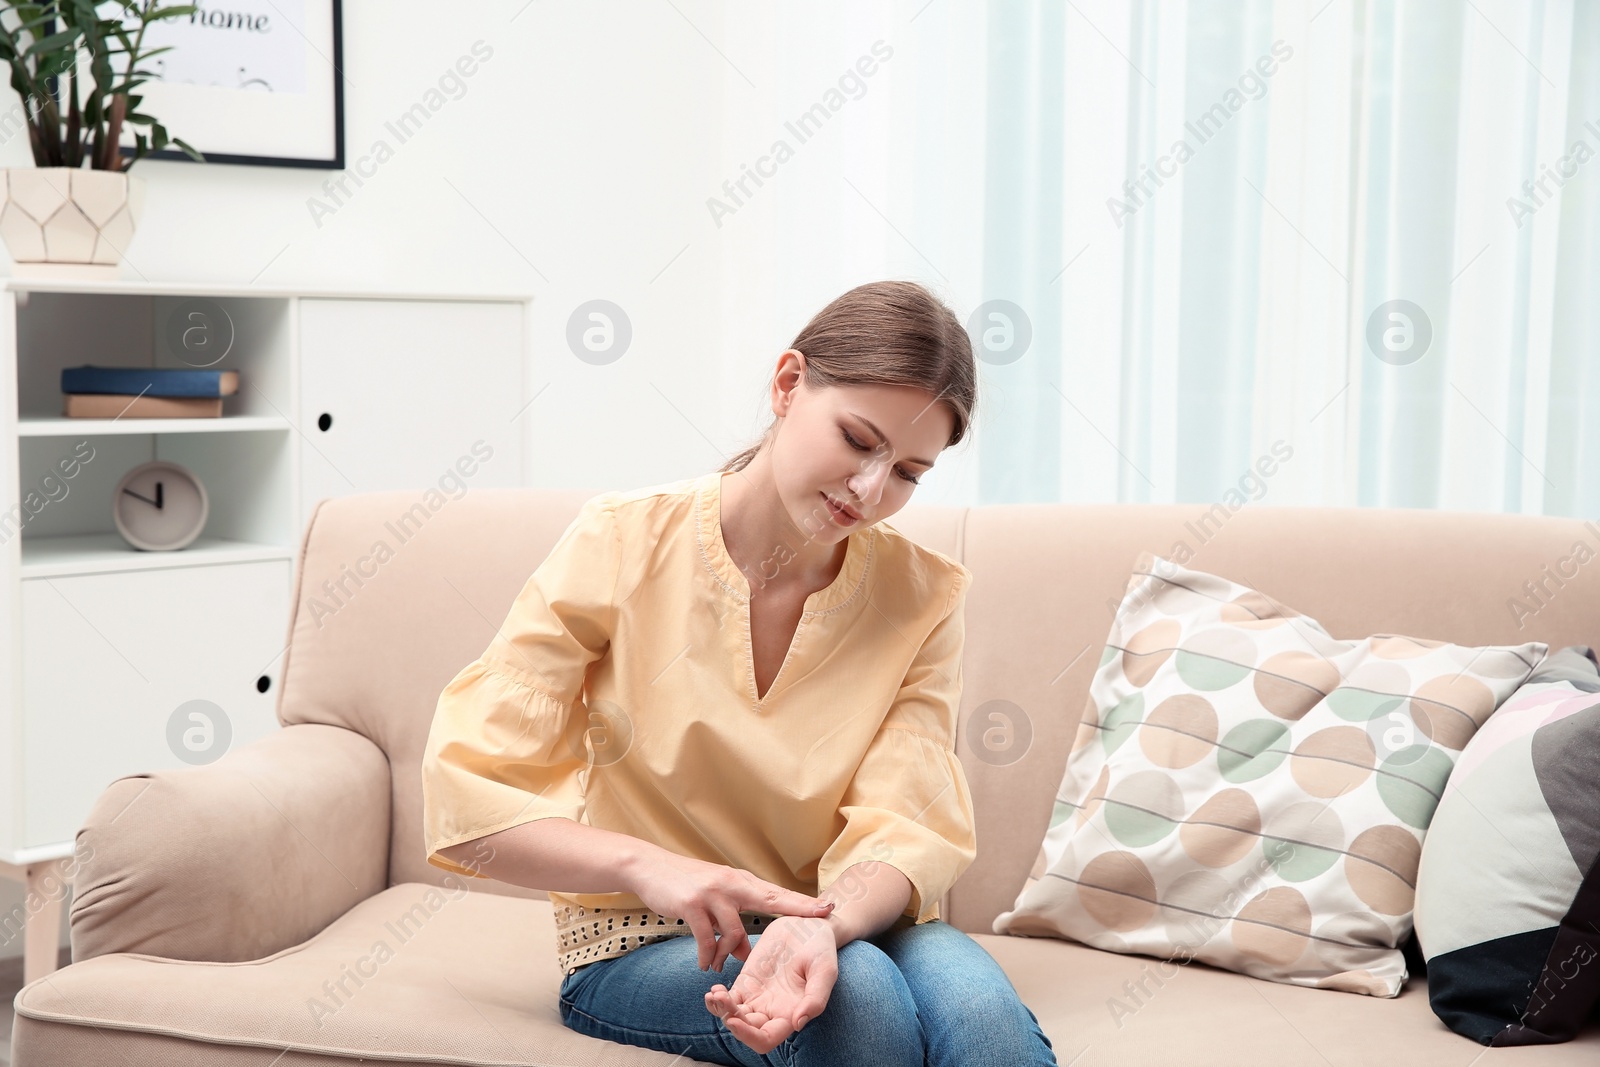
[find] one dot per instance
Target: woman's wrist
(841, 928)
(810, 926)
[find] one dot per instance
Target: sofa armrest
(237, 859)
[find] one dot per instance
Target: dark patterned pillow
(1508, 888)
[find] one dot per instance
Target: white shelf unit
(107, 553)
(339, 392)
(61, 426)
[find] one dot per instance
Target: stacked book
(145, 392)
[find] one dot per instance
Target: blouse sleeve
(507, 742)
(908, 804)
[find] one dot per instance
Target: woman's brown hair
(888, 333)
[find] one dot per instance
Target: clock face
(160, 506)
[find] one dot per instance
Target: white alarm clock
(160, 506)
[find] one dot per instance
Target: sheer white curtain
(1350, 243)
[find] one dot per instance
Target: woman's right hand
(710, 896)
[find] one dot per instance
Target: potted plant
(74, 212)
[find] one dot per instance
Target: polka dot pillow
(1247, 791)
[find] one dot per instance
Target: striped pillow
(1508, 894)
(1248, 791)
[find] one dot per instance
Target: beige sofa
(274, 907)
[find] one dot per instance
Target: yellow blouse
(620, 693)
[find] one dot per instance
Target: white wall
(584, 151)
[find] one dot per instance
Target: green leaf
(93, 55)
(190, 149)
(53, 42)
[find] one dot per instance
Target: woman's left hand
(785, 983)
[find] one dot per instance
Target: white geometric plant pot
(68, 221)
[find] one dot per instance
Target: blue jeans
(912, 996)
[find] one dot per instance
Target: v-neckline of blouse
(714, 552)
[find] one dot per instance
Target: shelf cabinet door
(109, 658)
(406, 388)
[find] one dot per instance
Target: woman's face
(862, 446)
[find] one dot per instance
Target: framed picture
(249, 81)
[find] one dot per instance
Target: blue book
(151, 381)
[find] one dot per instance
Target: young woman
(719, 696)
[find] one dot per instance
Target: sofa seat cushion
(473, 981)
(1113, 1008)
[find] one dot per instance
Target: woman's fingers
(762, 1039)
(705, 936)
(725, 1004)
(789, 902)
(731, 926)
(820, 980)
(755, 1028)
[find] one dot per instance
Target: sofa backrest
(394, 598)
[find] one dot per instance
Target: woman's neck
(766, 546)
